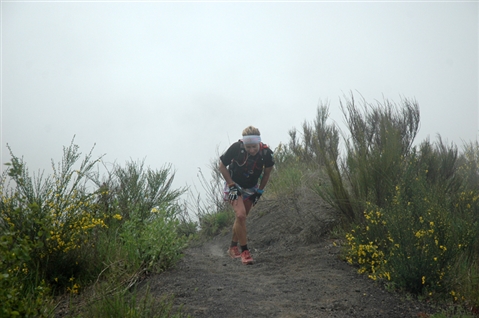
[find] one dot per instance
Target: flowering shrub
(415, 241)
(13, 274)
(55, 214)
(59, 233)
(45, 223)
(413, 210)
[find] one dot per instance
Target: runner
(242, 165)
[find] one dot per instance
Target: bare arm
(226, 174)
(264, 180)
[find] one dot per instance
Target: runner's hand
(255, 197)
(234, 193)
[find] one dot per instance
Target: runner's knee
(241, 217)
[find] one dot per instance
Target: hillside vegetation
(406, 215)
(409, 212)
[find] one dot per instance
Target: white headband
(251, 139)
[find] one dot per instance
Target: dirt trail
(297, 273)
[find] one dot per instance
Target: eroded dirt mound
(297, 272)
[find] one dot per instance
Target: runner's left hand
(255, 197)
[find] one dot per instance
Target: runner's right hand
(234, 193)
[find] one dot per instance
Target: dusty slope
(297, 273)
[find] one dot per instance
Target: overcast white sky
(172, 82)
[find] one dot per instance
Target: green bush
(48, 222)
(213, 223)
(415, 241)
(68, 231)
(17, 296)
(154, 242)
(411, 213)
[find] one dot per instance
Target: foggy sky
(175, 82)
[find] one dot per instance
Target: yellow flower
(154, 210)
(388, 276)
(118, 217)
(423, 280)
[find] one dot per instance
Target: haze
(175, 82)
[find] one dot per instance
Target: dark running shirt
(245, 169)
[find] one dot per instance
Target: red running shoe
(234, 252)
(246, 258)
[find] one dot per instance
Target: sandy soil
(297, 273)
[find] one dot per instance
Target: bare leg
(248, 204)
(241, 209)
